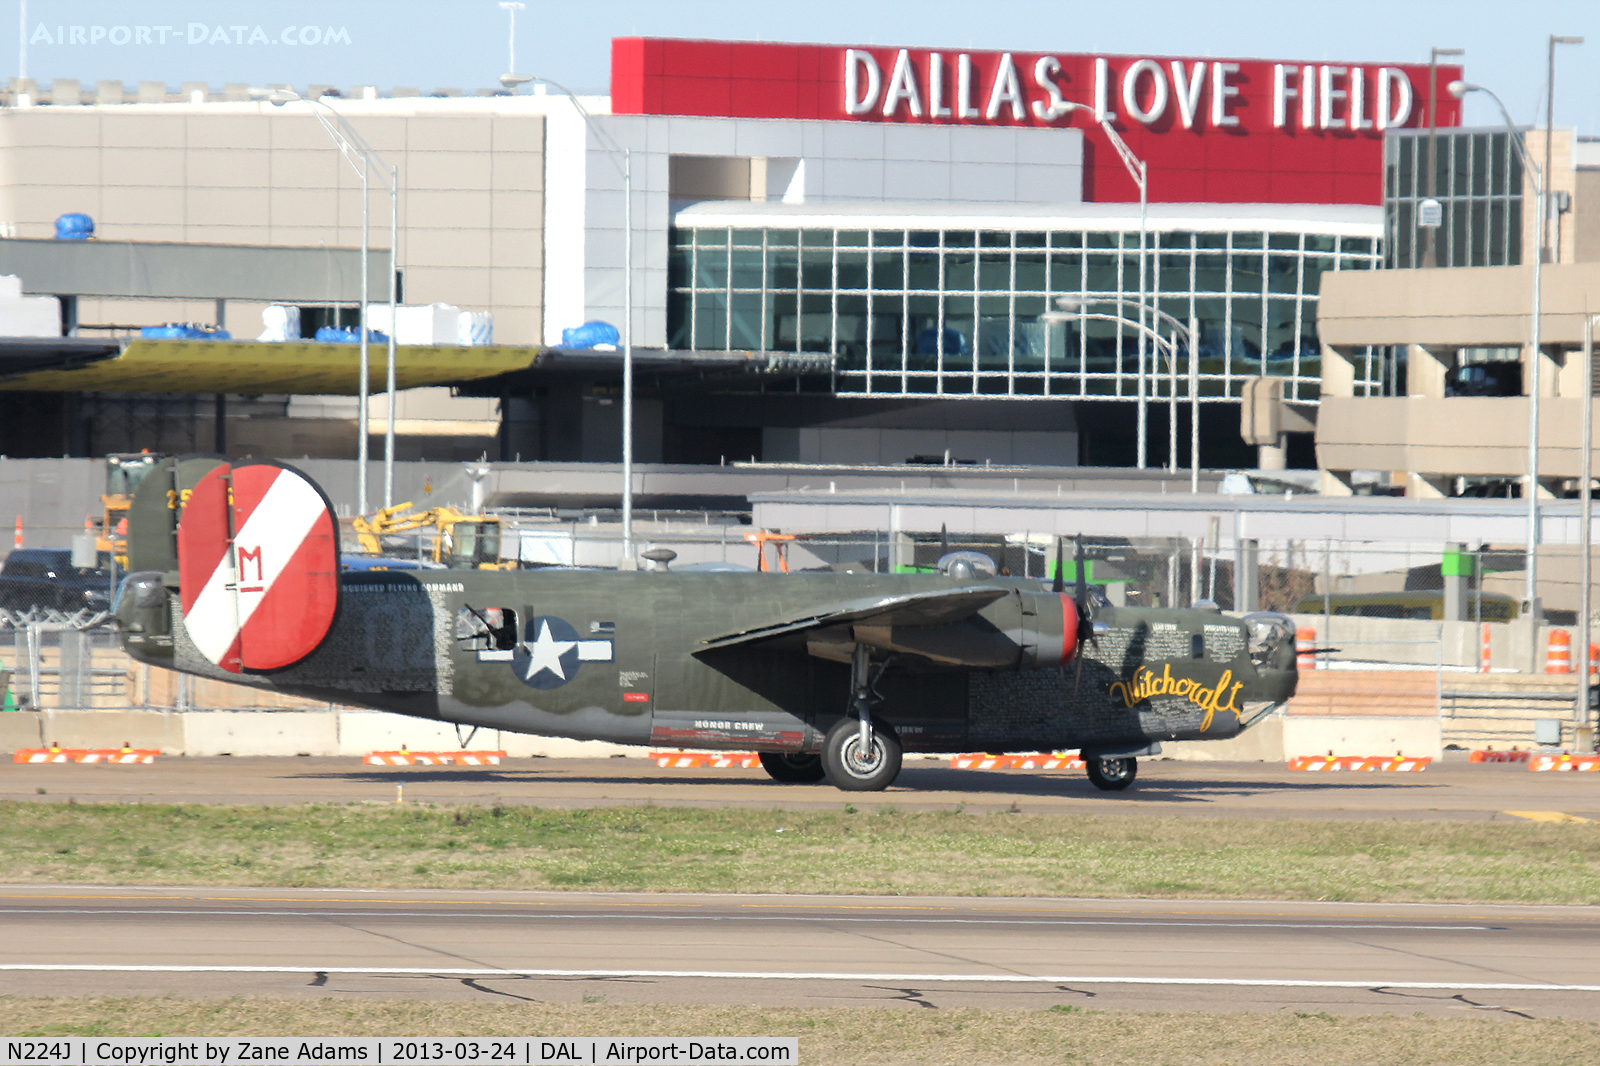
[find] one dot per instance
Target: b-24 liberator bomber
(236, 576)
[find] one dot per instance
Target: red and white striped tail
(258, 566)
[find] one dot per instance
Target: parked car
(45, 577)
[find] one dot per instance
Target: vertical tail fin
(258, 565)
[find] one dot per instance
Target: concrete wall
(341, 732)
(471, 178)
(805, 161)
(1283, 737)
(829, 444)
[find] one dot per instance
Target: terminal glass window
(958, 312)
(1477, 179)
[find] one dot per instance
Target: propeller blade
(1081, 589)
(1060, 584)
(944, 540)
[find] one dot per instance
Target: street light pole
(1072, 308)
(622, 159)
(511, 8)
(1530, 489)
(363, 159)
(1429, 254)
(1549, 135)
(1139, 172)
(1580, 713)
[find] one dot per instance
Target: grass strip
(858, 1036)
(883, 852)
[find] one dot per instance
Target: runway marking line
(1149, 923)
(758, 975)
(1549, 816)
(767, 906)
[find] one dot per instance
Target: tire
(1113, 775)
(793, 768)
(841, 757)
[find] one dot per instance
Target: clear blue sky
(462, 43)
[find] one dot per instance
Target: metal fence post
(1247, 582)
(70, 668)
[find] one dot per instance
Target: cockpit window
(486, 628)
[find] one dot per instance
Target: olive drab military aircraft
(236, 576)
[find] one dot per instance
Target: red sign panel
(258, 566)
(1210, 130)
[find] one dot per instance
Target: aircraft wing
(919, 609)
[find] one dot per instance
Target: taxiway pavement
(801, 950)
(1450, 790)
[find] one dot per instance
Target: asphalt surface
(1450, 790)
(800, 950)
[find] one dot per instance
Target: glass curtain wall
(959, 312)
(1477, 179)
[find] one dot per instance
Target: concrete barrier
(111, 729)
(259, 732)
(1363, 735)
(356, 732)
(363, 731)
(318, 732)
(1262, 742)
(20, 729)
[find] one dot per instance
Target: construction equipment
(780, 546)
(124, 471)
(463, 541)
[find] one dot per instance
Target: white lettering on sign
(1326, 119)
(1188, 91)
(1394, 91)
(936, 108)
(1220, 92)
(964, 108)
(1329, 97)
(1044, 72)
(1358, 99)
(1102, 89)
(1281, 94)
(1006, 90)
(1158, 90)
(902, 86)
(856, 100)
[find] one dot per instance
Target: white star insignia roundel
(545, 654)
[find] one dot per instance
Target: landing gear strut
(861, 755)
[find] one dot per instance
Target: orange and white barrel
(1558, 652)
(1594, 658)
(1305, 642)
(1485, 651)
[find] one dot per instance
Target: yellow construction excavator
(464, 541)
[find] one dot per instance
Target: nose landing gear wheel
(850, 768)
(1112, 775)
(791, 768)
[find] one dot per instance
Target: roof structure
(254, 368)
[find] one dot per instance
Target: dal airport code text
(402, 1052)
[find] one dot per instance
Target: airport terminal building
(838, 254)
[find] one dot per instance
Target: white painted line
(547, 916)
(952, 978)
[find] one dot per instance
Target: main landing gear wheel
(792, 768)
(854, 770)
(1113, 775)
